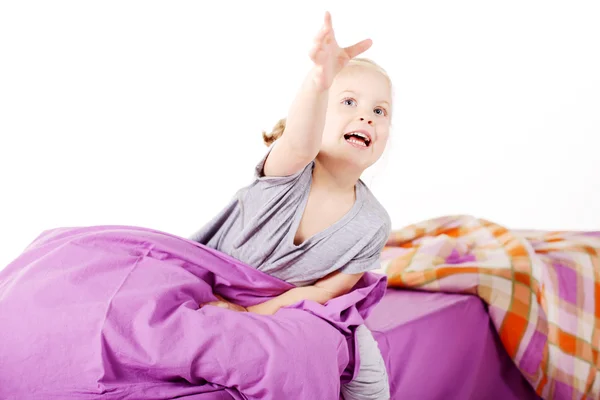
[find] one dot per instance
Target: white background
(150, 113)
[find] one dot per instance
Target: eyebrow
(354, 93)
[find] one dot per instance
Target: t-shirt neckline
(299, 213)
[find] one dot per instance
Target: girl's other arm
(334, 285)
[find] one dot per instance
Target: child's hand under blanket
(222, 303)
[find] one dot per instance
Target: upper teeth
(360, 134)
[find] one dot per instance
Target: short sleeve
(259, 168)
(369, 258)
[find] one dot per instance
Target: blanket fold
(113, 310)
(542, 289)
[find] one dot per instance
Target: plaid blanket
(542, 289)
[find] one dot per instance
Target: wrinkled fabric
(113, 311)
(542, 289)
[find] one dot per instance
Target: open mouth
(358, 139)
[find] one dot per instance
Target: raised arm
(301, 139)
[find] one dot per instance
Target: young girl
(308, 219)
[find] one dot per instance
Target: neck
(337, 176)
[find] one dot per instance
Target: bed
(541, 291)
(442, 346)
(472, 310)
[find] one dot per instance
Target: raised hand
(329, 57)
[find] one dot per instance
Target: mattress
(443, 346)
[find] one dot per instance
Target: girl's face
(357, 123)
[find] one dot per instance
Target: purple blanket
(113, 310)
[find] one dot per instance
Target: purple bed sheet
(442, 346)
(54, 296)
(111, 312)
(439, 346)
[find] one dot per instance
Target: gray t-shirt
(259, 224)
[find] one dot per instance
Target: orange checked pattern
(542, 289)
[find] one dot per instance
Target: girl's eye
(380, 111)
(349, 102)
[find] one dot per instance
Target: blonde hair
(277, 131)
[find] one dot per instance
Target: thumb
(358, 48)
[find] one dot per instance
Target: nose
(369, 121)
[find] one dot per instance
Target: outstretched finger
(325, 30)
(358, 48)
(328, 20)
